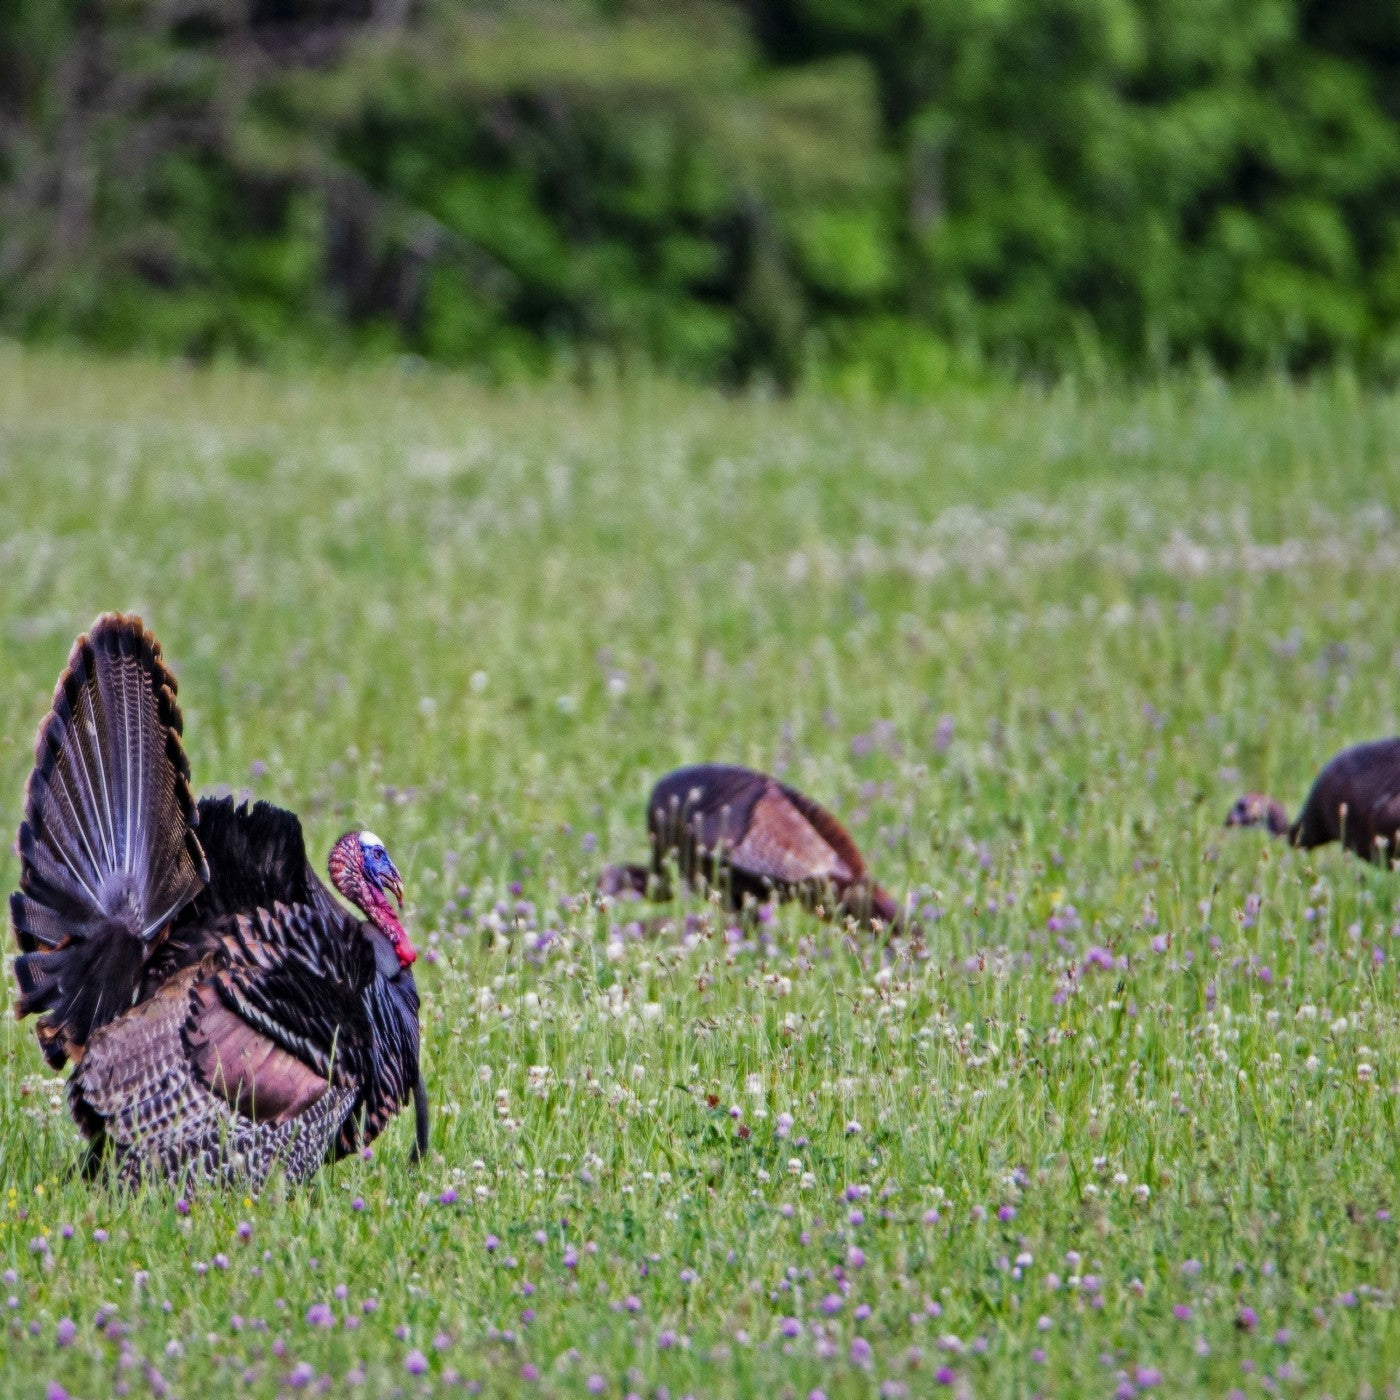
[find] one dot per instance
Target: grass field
(1130, 1124)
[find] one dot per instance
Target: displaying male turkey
(225, 1014)
(754, 838)
(1354, 799)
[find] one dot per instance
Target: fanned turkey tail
(107, 848)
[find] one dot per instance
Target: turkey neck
(382, 916)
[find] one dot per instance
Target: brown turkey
(225, 1014)
(1355, 799)
(754, 838)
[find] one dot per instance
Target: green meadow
(1125, 1122)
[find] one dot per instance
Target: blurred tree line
(876, 191)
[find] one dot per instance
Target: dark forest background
(881, 192)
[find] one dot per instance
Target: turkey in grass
(1355, 799)
(225, 1014)
(754, 838)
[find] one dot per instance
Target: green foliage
(726, 190)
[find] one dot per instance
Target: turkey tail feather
(108, 854)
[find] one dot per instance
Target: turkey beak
(393, 882)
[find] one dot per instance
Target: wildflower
(596, 1384)
(302, 1374)
(1246, 1319)
(67, 1332)
(945, 1375)
(447, 1197)
(529, 1372)
(861, 1352)
(320, 1315)
(789, 1327)
(415, 1363)
(492, 1244)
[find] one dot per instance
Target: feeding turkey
(1355, 799)
(753, 838)
(225, 1014)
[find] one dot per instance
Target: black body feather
(1355, 799)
